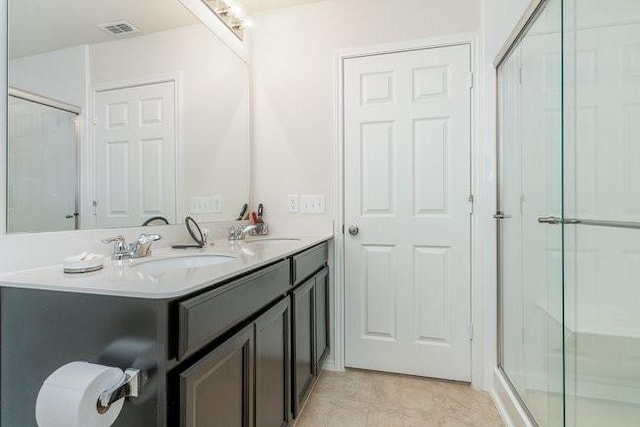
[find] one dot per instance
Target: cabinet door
(303, 342)
(322, 317)
(218, 389)
(273, 366)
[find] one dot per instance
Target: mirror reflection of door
(136, 154)
(42, 169)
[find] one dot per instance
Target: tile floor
(363, 398)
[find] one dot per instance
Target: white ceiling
(37, 26)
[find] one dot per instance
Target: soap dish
(73, 265)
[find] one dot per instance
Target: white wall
(60, 74)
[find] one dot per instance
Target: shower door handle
(552, 220)
(501, 215)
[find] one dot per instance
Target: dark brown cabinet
(218, 389)
(310, 334)
(273, 366)
(304, 366)
(322, 317)
(244, 352)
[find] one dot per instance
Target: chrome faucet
(140, 249)
(239, 232)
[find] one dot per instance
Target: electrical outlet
(293, 203)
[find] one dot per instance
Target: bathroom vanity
(238, 343)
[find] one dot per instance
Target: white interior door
(407, 185)
(136, 154)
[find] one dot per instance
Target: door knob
(73, 215)
(354, 230)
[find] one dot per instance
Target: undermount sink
(163, 265)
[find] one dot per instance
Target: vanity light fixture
(231, 13)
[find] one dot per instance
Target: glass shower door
(602, 198)
(530, 188)
(42, 167)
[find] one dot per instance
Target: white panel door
(407, 181)
(136, 154)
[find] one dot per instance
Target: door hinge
(470, 200)
(471, 331)
(470, 80)
(342, 228)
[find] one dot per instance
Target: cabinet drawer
(308, 262)
(207, 316)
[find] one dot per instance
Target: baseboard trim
(329, 365)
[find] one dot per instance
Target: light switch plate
(201, 205)
(312, 204)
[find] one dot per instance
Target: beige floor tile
(326, 412)
(349, 385)
(404, 417)
(402, 392)
(361, 398)
(478, 410)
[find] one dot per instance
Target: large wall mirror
(120, 112)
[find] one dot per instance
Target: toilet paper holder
(129, 387)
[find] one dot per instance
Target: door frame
(176, 79)
(339, 57)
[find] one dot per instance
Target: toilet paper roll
(69, 396)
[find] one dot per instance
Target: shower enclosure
(42, 164)
(569, 212)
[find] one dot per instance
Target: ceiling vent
(119, 28)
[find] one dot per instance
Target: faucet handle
(145, 238)
(235, 232)
(120, 246)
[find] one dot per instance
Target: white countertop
(118, 278)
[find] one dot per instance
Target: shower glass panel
(569, 213)
(602, 192)
(42, 167)
(530, 187)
